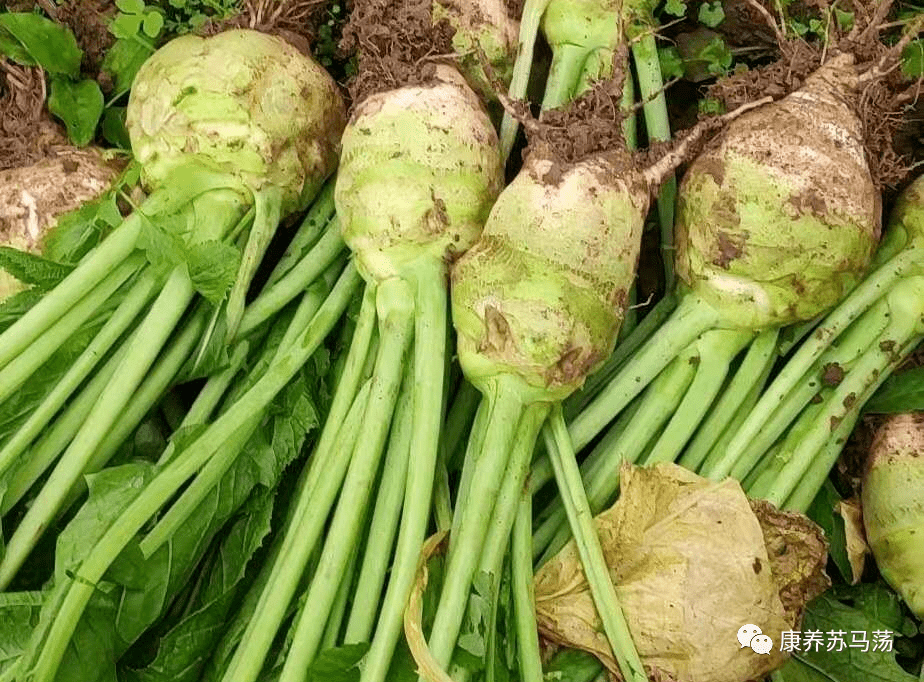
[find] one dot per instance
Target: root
(295, 20)
(27, 132)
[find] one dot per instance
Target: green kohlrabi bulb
(543, 292)
(779, 218)
(241, 102)
(418, 174)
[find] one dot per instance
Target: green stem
(172, 477)
(519, 81)
(458, 425)
(268, 204)
(212, 473)
(94, 267)
(717, 349)
(857, 302)
(690, 319)
(395, 304)
(505, 409)
(524, 602)
(299, 541)
(473, 446)
(601, 468)
(143, 348)
(580, 518)
(124, 315)
(334, 624)
(313, 226)
(657, 125)
(274, 297)
(564, 75)
(431, 326)
(850, 346)
(379, 548)
(19, 370)
(761, 353)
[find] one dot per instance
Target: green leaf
(913, 59)
(123, 60)
(126, 26)
(153, 23)
(845, 20)
(213, 266)
(717, 56)
(671, 62)
(676, 8)
(113, 128)
(902, 392)
(48, 44)
(827, 614)
(571, 665)
(131, 6)
(79, 105)
(19, 614)
(32, 269)
(340, 664)
(822, 511)
(711, 14)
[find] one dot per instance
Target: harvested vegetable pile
(461, 341)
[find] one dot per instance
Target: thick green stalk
(431, 324)
(760, 354)
(580, 518)
(277, 295)
(395, 304)
(564, 76)
(466, 546)
(689, 320)
(211, 474)
(312, 227)
(475, 442)
(331, 637)
(657, 125)
(52, 442)
(19, 370)
(851, 344)
(716, 351)
(268, 205)
(143, 348)
(94, 267)
(857, 302)
(524, 601)
(139, 295)
(519, 81)
(171, 478)
(601, 468)
(379, 547)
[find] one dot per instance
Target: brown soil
(89, 21)
(294, 20)
(396, 44)
(879, 103)
(27, 131)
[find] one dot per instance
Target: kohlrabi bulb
(543, 292)
(240, 102)
(780, 216)
(418, 174)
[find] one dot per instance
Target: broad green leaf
(338, 665)
(153, 23)
(125, 26)
(913, 59)
(845, 20)
(711, 14)
(822, 511)
(213, 267)
(571, 665)
(78, 105)
(131, 6)
(19, 614)
(676, 8)
(902, 392)
(827, 614)
(32, 269)
(123, 60)
(795, 670)
(49, 44)
(671, 62)
(113, 128)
